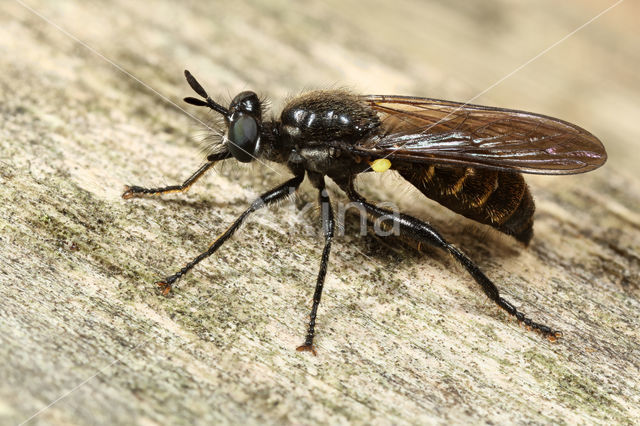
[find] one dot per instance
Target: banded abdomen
(499, 199)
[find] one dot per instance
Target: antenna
(200, 91)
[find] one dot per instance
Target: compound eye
(243, 138)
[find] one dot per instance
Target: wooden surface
(403, 338)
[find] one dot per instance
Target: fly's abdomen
(499, 199)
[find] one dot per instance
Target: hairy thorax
(324, 116)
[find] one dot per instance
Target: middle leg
(328, 226)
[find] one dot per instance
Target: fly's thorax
(333, 115)
(325, 160)
(272, 147)
(316, 159)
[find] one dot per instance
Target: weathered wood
(402, 337)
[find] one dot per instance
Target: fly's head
(244, 126)
(243, 119)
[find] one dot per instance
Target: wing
(436, 131)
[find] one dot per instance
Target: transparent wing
(431, 130)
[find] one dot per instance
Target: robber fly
(468, 158)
